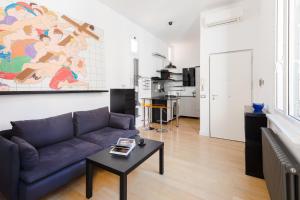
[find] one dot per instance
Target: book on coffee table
(123, 147)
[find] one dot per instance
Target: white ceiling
(154, 15)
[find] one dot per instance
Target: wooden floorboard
(196, 168)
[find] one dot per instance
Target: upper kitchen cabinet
(188, 75)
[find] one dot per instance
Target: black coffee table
(122, 166)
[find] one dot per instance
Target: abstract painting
(42, 50)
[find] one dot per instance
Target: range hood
(171, 66)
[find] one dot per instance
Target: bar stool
(148, 106)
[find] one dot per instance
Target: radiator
(281, 170)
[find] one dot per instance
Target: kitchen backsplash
(171, 89)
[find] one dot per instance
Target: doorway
(230, 91)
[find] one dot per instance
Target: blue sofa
(57, 150)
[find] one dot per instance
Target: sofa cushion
(87, 121)
(108, 136)
(132, 119)
(58, 156)
(44, 132)
(119, 122)
(29, 156)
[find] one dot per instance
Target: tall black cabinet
(189, 76)
(253, 149)
(122, 101)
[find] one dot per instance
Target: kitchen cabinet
(168, 114)
(188, 76)
(189, 107)
(156, 112)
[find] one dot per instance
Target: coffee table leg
(161, 160)
(89, 179)
(123, 187)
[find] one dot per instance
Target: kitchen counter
(188, 96)
(168, 97)
(171, 103)
(162, 98)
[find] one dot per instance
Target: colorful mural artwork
(41, 50)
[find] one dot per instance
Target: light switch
(202, 85)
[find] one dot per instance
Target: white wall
(186, 50)
(187, 53)
(119, 67)
(255, 31)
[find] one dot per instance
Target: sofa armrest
(9, 168)
(132, 119)
(6, 133)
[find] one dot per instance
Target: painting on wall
(44, 51)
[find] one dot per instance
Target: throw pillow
(119, 122)
(29, 156)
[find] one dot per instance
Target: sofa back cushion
(87, 121)
(44, 132)
(119, 122)
(28, 154)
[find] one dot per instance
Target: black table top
(124, 165)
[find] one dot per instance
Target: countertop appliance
(165, 74)
(157, 88)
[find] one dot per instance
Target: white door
(230, 91)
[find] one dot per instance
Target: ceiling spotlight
(170, 23)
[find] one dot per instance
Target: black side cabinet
(253, 149)
(122, 101)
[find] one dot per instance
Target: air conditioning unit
(225, 16)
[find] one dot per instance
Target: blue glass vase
(258, 107)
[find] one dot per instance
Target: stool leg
(149, 118)
(161, 129)
(144, 112)
(177, 113)
(161, 120)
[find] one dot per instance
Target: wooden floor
(196, 168)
